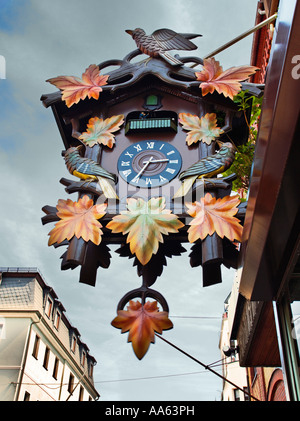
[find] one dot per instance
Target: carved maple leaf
(227, 82)
(79, 219)
(74, 89)
(145, 222)
(200, 129)
(100, 131)
(142, 321)
(214, 215)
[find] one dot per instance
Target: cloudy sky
(41, 39)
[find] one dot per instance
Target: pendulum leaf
(142, 321)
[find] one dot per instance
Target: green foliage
(244, 101)
(245, 153)
(241, 166)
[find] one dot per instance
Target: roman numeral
(126, 173)
(129, 154)
(137, 147)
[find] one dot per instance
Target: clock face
(149, 163)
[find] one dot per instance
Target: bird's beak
(220, 143)
(129, 31)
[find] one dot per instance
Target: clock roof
(132, 78)
(129, 75)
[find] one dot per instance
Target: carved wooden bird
(161, 41)
(207, 167)
(87, 169)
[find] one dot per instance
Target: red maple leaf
(142, 321)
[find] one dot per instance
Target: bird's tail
(170, 59)
(185, 186)
(107, 188)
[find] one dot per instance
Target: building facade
(266, 316)
(266, 383)
(231, 369)
(41, 355)
(258, 383)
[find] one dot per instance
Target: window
(81, 393)
(26, 396)
(74, 341)
(151, 100)
(246, 396)
(36, 347)
(83, 357)
(55, 368)
(46, 358)
(151, 121)
(91, 370)
(48, 307)
(236, 394)
(57, 320)
(71, 383)
(253, 371)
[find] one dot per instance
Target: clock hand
(158, 160)
(143, 169)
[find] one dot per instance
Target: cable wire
(206, 367)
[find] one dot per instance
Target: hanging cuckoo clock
(146, 145)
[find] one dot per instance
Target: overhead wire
(135, 378)
(207, 367)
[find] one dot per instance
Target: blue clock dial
(149, 163)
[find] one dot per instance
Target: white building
(41, 355)
(231, 369)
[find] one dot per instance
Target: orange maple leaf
(100, 131)
(79, 219)
(227, 82)
(74, 89)
(142, 321)
(214, 215)
(200, 129)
